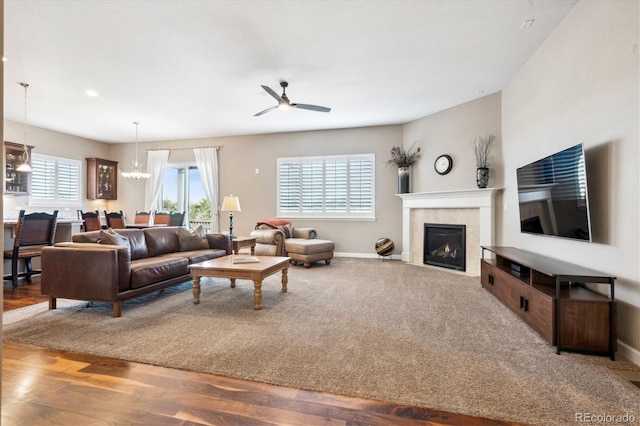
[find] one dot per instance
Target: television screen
(553, 196)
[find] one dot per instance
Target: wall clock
(443, 164)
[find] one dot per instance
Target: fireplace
(444, 245)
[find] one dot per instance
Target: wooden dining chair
(143, 218)
(161, 218)
(176, 219)
(91, 221)
(115, 220)
(33, 232)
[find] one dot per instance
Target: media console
(551, 296)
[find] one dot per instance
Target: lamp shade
(230, 204)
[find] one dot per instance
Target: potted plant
(404, 159)
(482, 148)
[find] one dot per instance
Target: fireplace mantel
(481, 200)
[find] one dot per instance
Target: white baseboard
(365, 255)
(630, 353)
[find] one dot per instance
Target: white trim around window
(328, 187)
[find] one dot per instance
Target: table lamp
(230, 204)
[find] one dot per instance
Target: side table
(240, 242)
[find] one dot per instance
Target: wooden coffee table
(223, 267)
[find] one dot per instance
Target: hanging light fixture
(136, 173)
(25, 166)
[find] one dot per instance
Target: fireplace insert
(444, 245)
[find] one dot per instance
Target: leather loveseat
(146, 260)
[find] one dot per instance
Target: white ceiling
(193, 69)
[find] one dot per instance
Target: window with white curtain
(55, 181)
(338, 186)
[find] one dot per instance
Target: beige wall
(451, 132)
(240, 156)
(582, 86)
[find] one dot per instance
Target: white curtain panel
(207, 162)
(156, 163)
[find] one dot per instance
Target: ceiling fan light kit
(284, 103)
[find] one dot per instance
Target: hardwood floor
(42, 386)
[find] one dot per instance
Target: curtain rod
(182, 149)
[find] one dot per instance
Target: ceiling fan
(284, 103)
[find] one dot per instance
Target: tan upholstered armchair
(271, 234)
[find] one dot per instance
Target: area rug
(368, 328)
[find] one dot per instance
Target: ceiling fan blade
(266, 111)
(270, 91)
(311, 107)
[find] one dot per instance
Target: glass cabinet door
(102, 179)
(15, 181)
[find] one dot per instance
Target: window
(182, 191)
(55, 181)
(340, 186)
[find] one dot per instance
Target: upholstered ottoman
(309, 251)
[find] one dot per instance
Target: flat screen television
(553, 197)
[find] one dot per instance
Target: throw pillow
(196, 240)
(112, 237)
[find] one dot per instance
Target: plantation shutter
(289, 187)
(55, 181)
(361, 185)
(43, 178)
(312, 185)
(336, 189)
(331, 186)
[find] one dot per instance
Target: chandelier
(25, 166)
(136, 173)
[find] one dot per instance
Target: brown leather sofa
(153, 260)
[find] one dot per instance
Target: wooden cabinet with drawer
(553, 298)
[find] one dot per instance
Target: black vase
(404, 180)
(482, 177)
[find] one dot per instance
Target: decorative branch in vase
(482, 148)
(404, 159)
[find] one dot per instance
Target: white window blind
(331, 186)
(55, 181)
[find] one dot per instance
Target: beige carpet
(368, 328)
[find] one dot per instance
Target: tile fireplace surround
(474, 208)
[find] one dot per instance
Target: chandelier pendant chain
(25, 166)
(24, 126)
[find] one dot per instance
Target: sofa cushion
(138, 243)
(161, 240)
(155, 269)
(189, 241)
(112, 237)
(196, 256)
